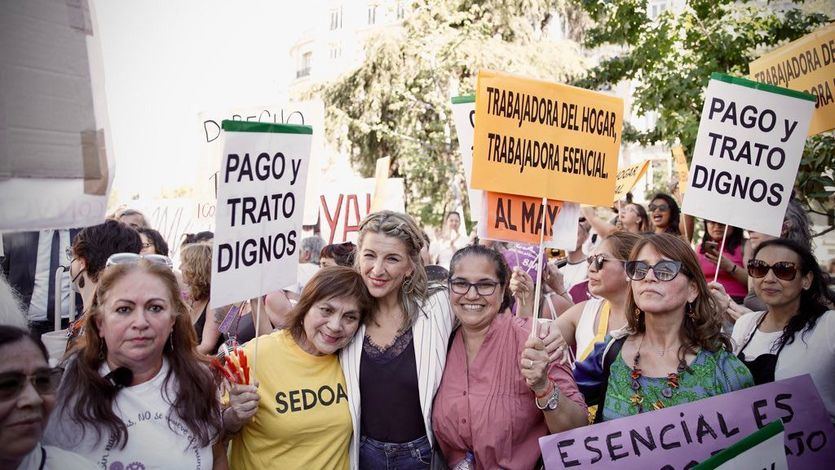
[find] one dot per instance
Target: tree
(397, 102)
(672, 56)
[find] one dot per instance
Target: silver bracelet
(553, 400)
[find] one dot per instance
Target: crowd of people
(400, 351)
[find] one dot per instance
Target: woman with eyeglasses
(297, 416)
(500, 392)
(196, 265)
(152, 242)
(88, 255)
(795, 335)
(666, 217)
(27, 396)
(136, 393)
(673, 350)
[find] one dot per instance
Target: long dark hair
(814, 301)
(675, 213)
(88, 397)
(733, 240)
(499, 263)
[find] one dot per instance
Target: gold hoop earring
(637, 314)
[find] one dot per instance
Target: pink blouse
(488, 408)
(733, 287)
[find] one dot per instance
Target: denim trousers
(376, 455)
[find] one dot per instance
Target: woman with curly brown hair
(196, 265)
(135, 391)
(672, 350)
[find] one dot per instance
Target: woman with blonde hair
(135, 390)
(196, 265)
(673, 350)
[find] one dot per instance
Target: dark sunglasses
(785, 270)
(664, 270)
(45, 381)
(660, 207)
(482, 288)
(599, 260)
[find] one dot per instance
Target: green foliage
(397, 103)
(671, 59)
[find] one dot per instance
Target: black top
(198, 328)
(390, 401)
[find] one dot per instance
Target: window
(304, 68)
(335, 51)
(372, 14)
(336, 19)
(656, 7)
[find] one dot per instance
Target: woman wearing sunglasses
(667, 218)
(27, 397)
(135, 392)
(673, 350)
(795, 335)
(500, 392)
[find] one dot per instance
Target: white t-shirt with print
(152, 442)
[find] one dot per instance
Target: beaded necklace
(637, 399)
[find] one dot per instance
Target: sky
(166, 61)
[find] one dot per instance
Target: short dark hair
(96, 243)
(198, 237)
(342, 253)
(12, 334)
(160, 245)
(499, 263)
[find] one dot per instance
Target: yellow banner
(681, 168)
(542, 139)
(519, 218)
(807, 64)
(628, 178)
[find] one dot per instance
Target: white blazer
(431, 336)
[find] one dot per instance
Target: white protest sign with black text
(260, 201)
(463, 111)
(747, 153)
(343, 205)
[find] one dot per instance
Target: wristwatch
(553, 400)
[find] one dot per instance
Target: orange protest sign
(519, 218)
(541, 139)
(681, 168)
(807, 64)
(628, 178)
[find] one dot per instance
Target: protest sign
(258, 225)
(463, 113)
(56, 151)
(628, 178)
(680, 436)
(524, 256)
(308, 113)
(762, 449)
(519, 218)
(747, 153)
(343, 205)
(681, 167)
(541, 139)
(381, 175)
(173, 218)
(807, 64)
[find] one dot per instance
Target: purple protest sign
(524, 256)
(680, 436)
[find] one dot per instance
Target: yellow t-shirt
(303, 419)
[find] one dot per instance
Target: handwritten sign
(541, 139)
(628, 178)
(525, 257)
(681, 436)
(807, 64)
(519, 218)
(342, 206)
(259, 211)
(681, 167)
(463, 113)
(747, 153)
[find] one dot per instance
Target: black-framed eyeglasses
(598, 260)
(785, 270)
(664, 270)
(660, 207)
(133, 258)
(45, 381)
(482, 288)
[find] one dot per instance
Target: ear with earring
(637, 314)
(690, 309)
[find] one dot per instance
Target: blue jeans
(376, 455)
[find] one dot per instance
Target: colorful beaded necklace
(637, 399)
